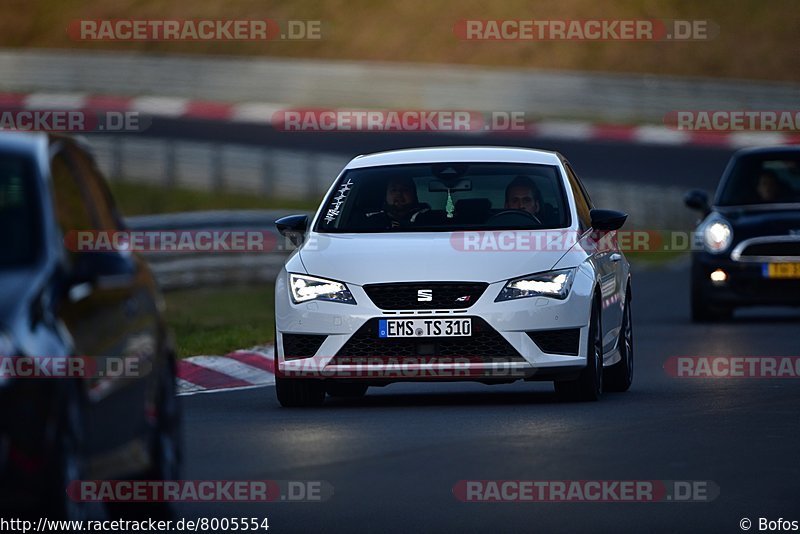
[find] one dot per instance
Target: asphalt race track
(394, 457)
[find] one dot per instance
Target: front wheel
(589, 384)
(297, 393)
(619, 376)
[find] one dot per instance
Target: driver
(522, 194)
(401, 206)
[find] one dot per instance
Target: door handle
(616, 256)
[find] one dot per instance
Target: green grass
(219, 320)
(143, 199)
(755, 39)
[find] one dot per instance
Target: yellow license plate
(782, 270)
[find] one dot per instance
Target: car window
(762, 179)
(582, 201)
(446, 197)
(72, 209)
(21, 239)
(99, 197)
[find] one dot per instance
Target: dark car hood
(762, 222)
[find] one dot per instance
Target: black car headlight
(304, 288)
(553, 284)
(717, 236)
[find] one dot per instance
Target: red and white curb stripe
(262, 113)
(241, 369)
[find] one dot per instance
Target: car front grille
(297, 346)
(415, 295)
(485, 345)
(566, 341)
(776, 249)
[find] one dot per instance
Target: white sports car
(458, 263)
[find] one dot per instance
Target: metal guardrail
(543, 94)
(290, 174)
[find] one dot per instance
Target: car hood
(762, 222)
(374, 258)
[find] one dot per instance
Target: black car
(748, 244)
(93, 306)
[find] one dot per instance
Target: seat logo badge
(425, 295)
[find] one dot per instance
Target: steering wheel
(524, 213)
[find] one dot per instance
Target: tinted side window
(582, 202)
(96, 190)
(72, 210)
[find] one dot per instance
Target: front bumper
(515, 356)
(746, 284)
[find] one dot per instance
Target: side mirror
(106, 270)
(697, 200)
(293, 227)
(607, 220)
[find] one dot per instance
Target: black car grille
(296, 346)
(565, 341)
(775, 248)
(485, 345)
(444, 295)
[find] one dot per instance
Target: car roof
(785, 149)
(456, 154)
(23, 142)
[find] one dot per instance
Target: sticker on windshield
(338, 200)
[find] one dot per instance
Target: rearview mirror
(607, 220)
(293, 227)
(436, 186)
(697, 200)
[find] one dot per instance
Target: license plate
(424, 327)
(781, 270)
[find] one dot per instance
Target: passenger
(401, 206)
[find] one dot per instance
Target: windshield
(763, 179)
(446, 197)
(18, 220)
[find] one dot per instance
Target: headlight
(717, 236)
(304, 288)
(553, 284)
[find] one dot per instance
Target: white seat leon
(458, 263)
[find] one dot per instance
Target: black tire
(165, 451)
(589, 384)
(346, 389)
(619, 376)
(299, 393)
(68, 461)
